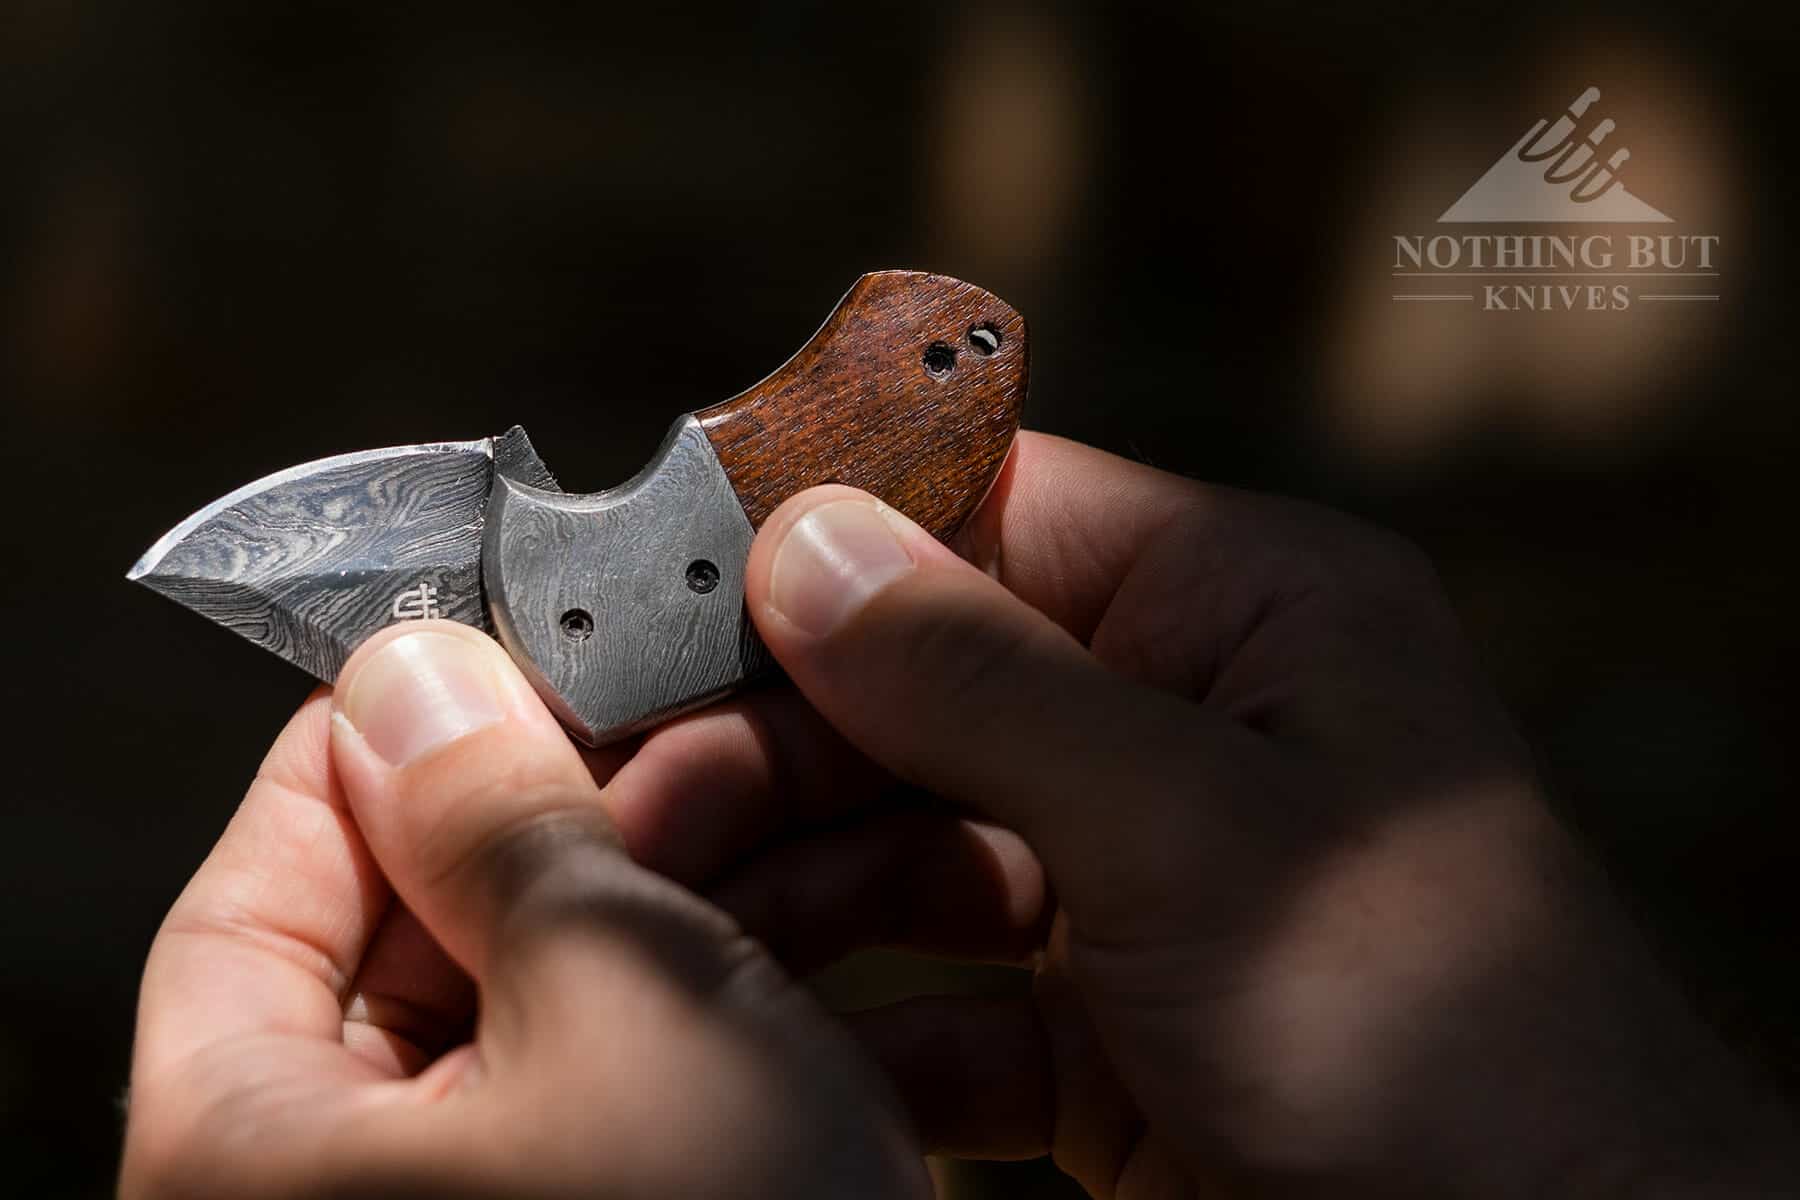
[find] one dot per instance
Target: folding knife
(626, 606)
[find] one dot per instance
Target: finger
(707, 788)
(974, 1073)
(1098, 1125)
(409, 1002)
(492, 830)
(1167, 579)
(266, 937)
(1011, 1077)
(928, 882)
(1163, 578)
(940, 674)
(1065, 522)
(613, 1003)
(704, 790)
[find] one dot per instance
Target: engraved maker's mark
(417, 604)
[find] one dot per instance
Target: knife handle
(626, 606)
(911, 390)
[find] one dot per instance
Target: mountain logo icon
(1550, 174)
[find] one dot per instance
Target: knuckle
(479, 796)
(539, 867)
(554, 880)
(970, 657)
(749, 978)
(971, 650)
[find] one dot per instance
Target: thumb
(481, 813)
(606, 991)
(939, 673)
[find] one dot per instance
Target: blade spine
(147, 562)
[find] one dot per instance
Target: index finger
(1065, 522)
(268, 933)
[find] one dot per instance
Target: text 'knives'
(626, 606)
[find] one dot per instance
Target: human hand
(1317, 930)
(1292, 929)
(307, 1029)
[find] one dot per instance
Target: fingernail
(832, 561)
(420, 692)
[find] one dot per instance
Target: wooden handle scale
(911, 390)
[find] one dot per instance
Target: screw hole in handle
(577, 624)
(984, 338)
(939, 358)
(946, 412)
(702, 576)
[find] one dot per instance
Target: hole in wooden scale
(938, 359)
(984, 339)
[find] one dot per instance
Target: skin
(1219, 767)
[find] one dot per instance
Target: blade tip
(142, 570)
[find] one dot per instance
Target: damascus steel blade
(310, 561)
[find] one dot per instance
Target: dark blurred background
(240, 236)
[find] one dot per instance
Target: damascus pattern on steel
(310, 561)
(626, 606)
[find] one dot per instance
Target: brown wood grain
(857, 405)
